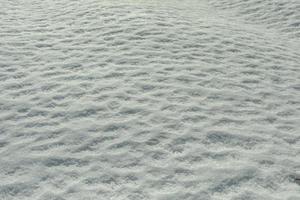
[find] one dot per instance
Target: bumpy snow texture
(149, 100)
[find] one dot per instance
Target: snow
(193, 100)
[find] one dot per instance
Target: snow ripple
(149, 100)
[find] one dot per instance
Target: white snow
(149, 100)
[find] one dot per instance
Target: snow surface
(166, 100)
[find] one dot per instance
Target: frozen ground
(146, 100)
